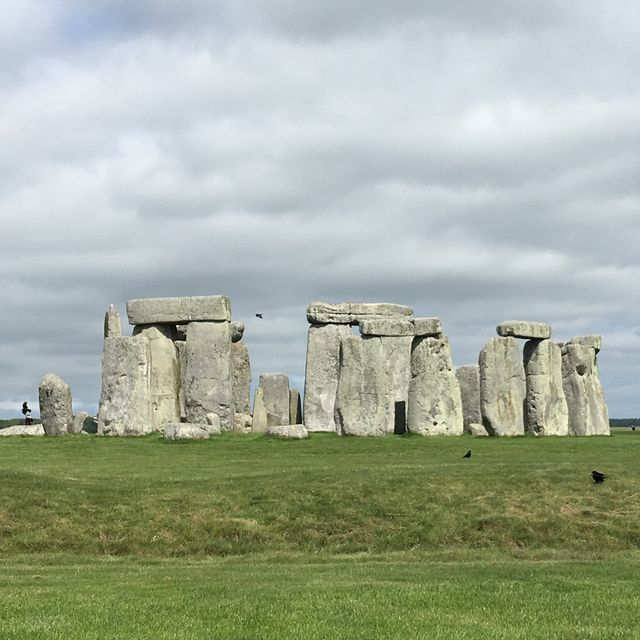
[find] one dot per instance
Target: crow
(598, 476)
(259, 315)
(468, 454)
(25, 409)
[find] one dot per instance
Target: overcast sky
(478, 161)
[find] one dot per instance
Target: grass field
(244, 537)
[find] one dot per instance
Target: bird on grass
(259, 315)
(468, 454)
(598, 477)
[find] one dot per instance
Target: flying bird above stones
(468, 454)
(259, 315)
(598, 477)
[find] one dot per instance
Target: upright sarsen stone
(435, 407)
(165, 374)
(275, 387)
(208, 375)
(241, 368)
(396, 353)
(546, 411)
(502, 387)
(321, 375)
(56, 412)
(469, 380)
(112, 323)
(363, 403)
(259, 419)
(588, 414)
(295, 407)
(125, 399)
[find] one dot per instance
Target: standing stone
(588, 414)
(208, 375)
(165, 374)
(502, 387)
(275, 387)
(55, 405)
(469, 380)
(397, 365)
(363, 402)
(181, 349)
(78, 422)
(125, 399)
(321, 375)
(112, 323)
(237, 331)
(546, 411)
(435, 407)
(241, 383)
(259, 420)
(295, 407)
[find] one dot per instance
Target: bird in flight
(598, 477)
(259, 315)
(468, 454)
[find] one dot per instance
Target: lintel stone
(179, 310)
(524, 329)
(352, 312)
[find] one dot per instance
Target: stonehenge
(372, 369)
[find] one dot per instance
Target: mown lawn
(245, 537)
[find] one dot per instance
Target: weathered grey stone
(352, 312)
(275, 387)
(524, 329)
(363, 401)
(78, 422)
(386, 326)
(55, 405)
(502, 387)
(241, 381)
(321, 376)
(295, 407)
(213, 423)
(208, 375)
(181, 350)
(396, 351)
(165, 374)
(112, 323)
(594, 341)
(476, 429)
(546, 411)
(259, 420)
(469, 380)
(435, 407)
(237, 331)
(179, 310)
(23, 430)
(181, 332)
(185, 431)
(244, 423)
(288, 431)
(427, 327)
(125, 399)
(588, 414)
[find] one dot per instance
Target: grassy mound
(239, 494)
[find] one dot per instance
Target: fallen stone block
(213, 424)
(78, 422)
(244, 423)
(185, 431)
(476, 429)
(23, 430)
(179, 310)
(288, 432)
(524, 329)
(56, 412)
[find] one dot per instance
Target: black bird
(598, 477)
(259, 315)
(25, 409)
(468, 454)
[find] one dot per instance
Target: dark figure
(259, 315)
(468, 454)
(28, 420)
(25, 409)
(598, 477)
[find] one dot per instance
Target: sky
(476, 161)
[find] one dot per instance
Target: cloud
(477, 163)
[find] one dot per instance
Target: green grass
(245, 537)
